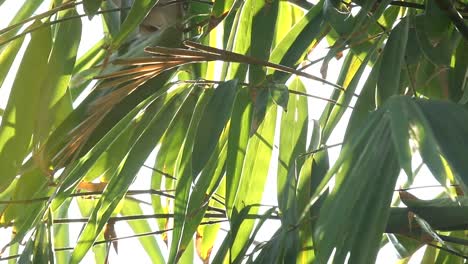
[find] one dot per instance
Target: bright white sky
(129, 249)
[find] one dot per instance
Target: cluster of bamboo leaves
(210, 95)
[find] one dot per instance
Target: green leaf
(220, 8)
(458, 81)
(288, 16)
(388, 83)
(149, 243)
(153, 129)
(204, 188)
(135, 16)
(240, 257)
(24, 12)
(237, 144)
(261, 97)
(26, 255)
(436, 22)
(298, 41)
(242, 34)
(256, 163)
(13, 251)
(263, 23)
(351, 82)
(400, 124)
(187, 256)
(437, 52)
(84, 70)
(293, 137)
(404, 246)
(42, 246)
(280, 95)
(449, 128)
(18, 120)
(61, 135)
(212, 123)
(352, 219)
(111, 19)
(77, 170)
(61, 236)
(91, 7)
(30, 185)
(7, 56)
(205, 240)
(55, 99)
(365, 102)
(238, 219)
(183, 172)
(166, 159)
(271, 251)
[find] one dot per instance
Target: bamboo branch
(80, 194)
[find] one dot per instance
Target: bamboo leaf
(25, 256)
(61, 236)
(166, 159)
(111, 19)
(7, 56)
(55, 98)
(204, 188)
(288, 16)
(250, 189)
(293, 135)
(262, 221)
(26, 10)
(42, 248)
(242, 33)
(135, 16)
(446, 122)
(212, 123)
(365, 103)
(237, 144)
(458, 82)
(91, 7)
(187, 256)
(118, 185)
(299, 40)
(392, 61)
(183, 173)
(77, 170)
(149, 243)
(18, 120)
(351, 81)
(263, 29)
(353, 231)
(280, 95)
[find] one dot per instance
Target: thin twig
(448, 250)
(246, 84)
(159, 232)
(48, 13)
(423, 187)
(160, 172)
(80, 194)
(55, 22)
(319, 149)
(318, 97)
(230, 56)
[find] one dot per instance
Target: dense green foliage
(219, 91)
